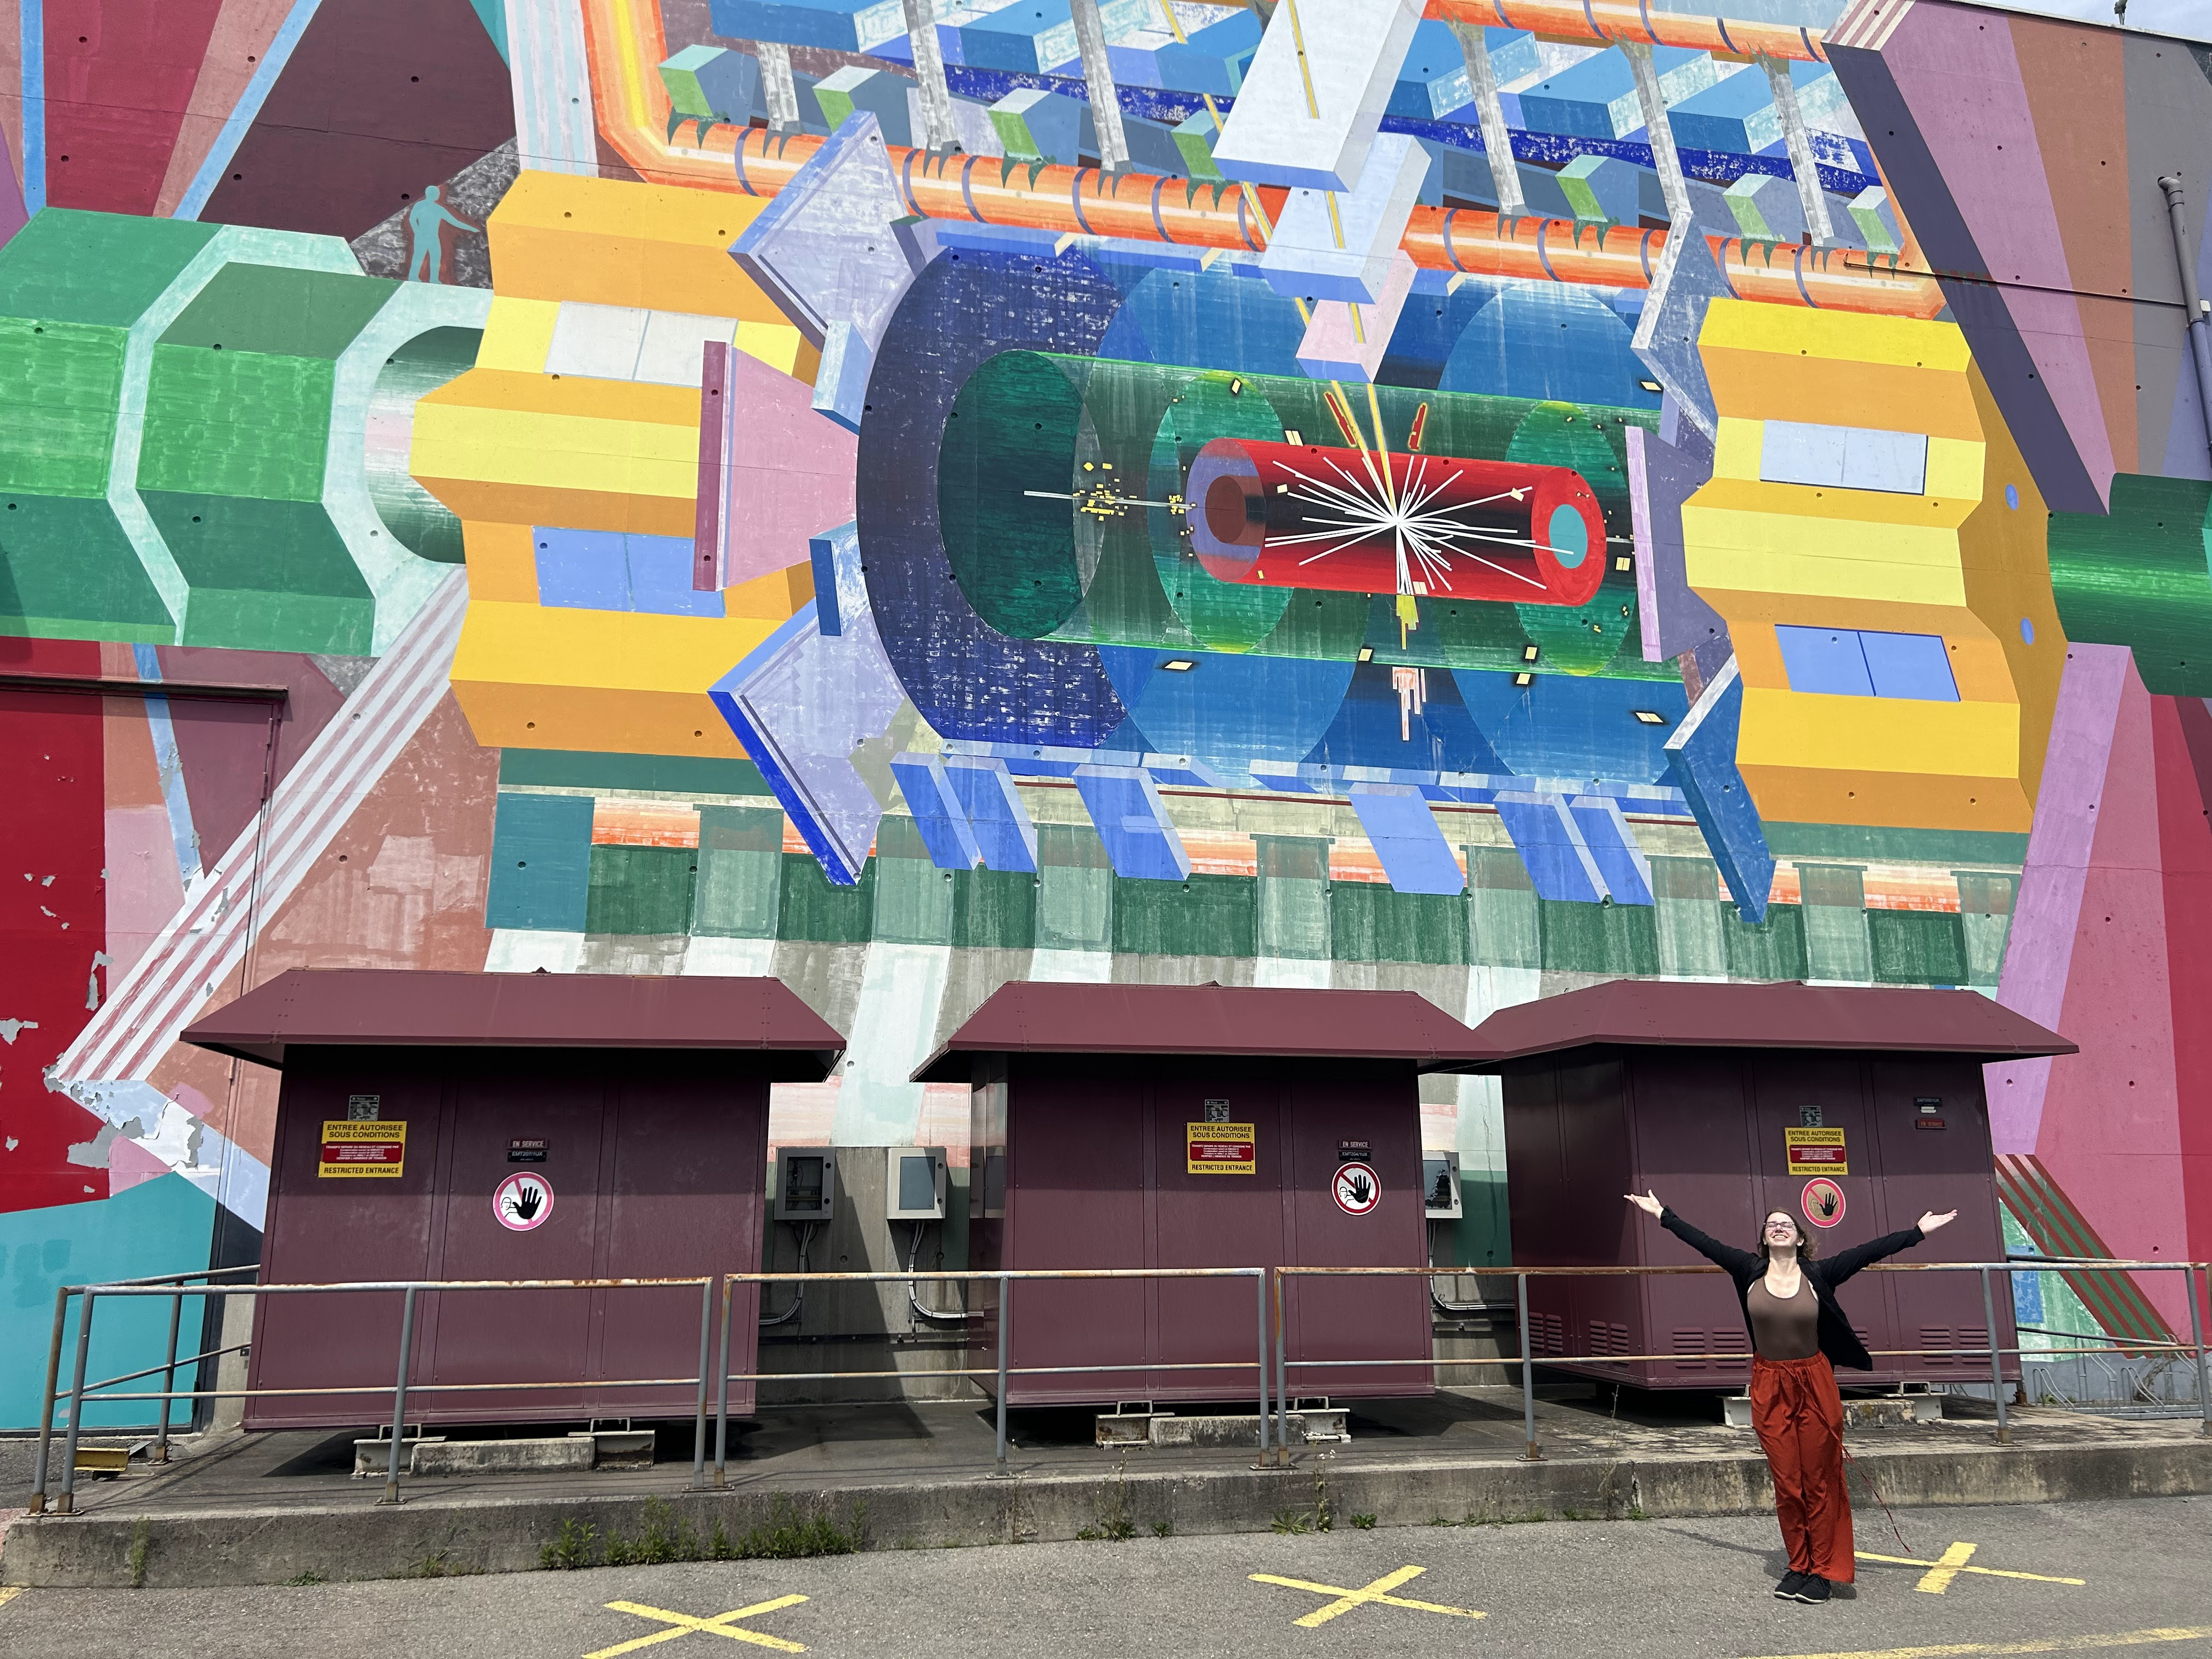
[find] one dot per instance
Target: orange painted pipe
(1625, 20)
(624, 38)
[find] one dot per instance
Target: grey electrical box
(913, 1184)
(806, 1183)
(1440, 1185)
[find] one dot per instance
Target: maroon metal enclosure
(1696, 1091)
(640, 1105)
(1080, 1156)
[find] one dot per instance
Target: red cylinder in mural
(1305, 515)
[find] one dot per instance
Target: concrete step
(466, 1532)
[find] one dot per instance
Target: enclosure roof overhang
(1044, 1018)
(378, 1007)
(1659, 1013)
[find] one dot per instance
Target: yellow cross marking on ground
(1345, 1600)
(1952, 1562)
(719, 1625)
(2129, 1639)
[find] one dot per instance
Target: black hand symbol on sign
(1358, 1188)
(524, 1200)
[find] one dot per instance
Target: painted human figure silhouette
(425, 221)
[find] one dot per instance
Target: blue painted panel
(1125, 806)
(1372, 727)
(1432, 81)
(1909, 666)
(836, 25)
(938, 815)
(1000, 824)
(1702, 749)
(541, 862)
(661, 578)
(1228, 708)
(1613, 846)
(1027, 38)
(582, 569)
(1407, 839)
(1544, 340)
(1552, 847)
(157, 1227)
(1824, 659)
(1581, 100)
(1567, 725)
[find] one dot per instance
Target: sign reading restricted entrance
(353, 1147)
(1816, 1151)
(1220, 1149)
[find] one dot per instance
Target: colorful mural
(1473, 497)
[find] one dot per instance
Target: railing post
(1260, 1284)
(68, 1506)
(699, 1417)
(62, 1294)
(1282, 1380)
(2196, 1338)
(722, 1397)
(1528, 1371)
(1996, 1369)
(400, 1398)
(1006, 1319)
(169, 1379)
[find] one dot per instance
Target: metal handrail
(1528, 1359)
(169, 1286)
(175, 1287)
(1004, 1277)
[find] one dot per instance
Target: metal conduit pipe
(913, 1292)
(2197, 322)
(806, 1230)
(621, 36)
(1614, 21)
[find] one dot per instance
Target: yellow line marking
(1952, 1564)
(1937, 1578)
(9, 1593)
(1376, 1592)
(684, 1623)
(2132, 1639)
(1305, 71)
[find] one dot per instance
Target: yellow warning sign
(1815, 1151)
(1221, 1149)
(376, 1146)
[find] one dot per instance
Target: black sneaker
(1813, 1589)
(1792, 1582)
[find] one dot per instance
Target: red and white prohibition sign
(1357, 1189)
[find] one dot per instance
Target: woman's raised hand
(1649, 1204)
(1931, 1221)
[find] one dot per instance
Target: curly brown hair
(1808, 1246)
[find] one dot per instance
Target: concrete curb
(426, 1538)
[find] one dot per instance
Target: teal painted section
(158, 1226)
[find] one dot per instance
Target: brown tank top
(1780, 1329)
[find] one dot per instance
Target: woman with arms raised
(1798, 1337)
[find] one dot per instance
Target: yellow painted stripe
(2132, 1638)
(518, 334)
(8, 1593)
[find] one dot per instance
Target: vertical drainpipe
(1667, 164)
(1497, 142)
(939, 136)
(1098, 76)
(2198, 323)
(1799, 143)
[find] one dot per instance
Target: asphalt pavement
(1966, 1582)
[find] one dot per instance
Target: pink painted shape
(13, 217)
(1334, 349)
(790, 470)
(128, 1163)
(2039, 949)
(1961, 79)
(144, 891)
(2108, 1135)
(234, 50)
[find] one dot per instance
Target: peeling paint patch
(92, 1154)
(11, 1028)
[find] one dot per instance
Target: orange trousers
(1799, 1418)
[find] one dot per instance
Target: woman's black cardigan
(1838, 1340)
